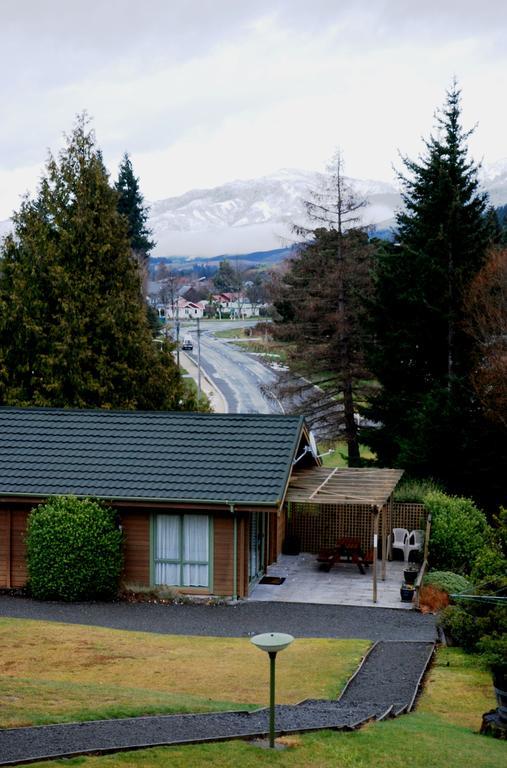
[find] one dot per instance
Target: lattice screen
(319, 525)
(408, 515)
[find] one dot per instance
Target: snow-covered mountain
(256, 214)
(494, 180)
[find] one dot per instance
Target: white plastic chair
(400, 539)
(415, 541)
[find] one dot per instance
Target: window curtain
(195, 551)
(183, 540)
(167, 548)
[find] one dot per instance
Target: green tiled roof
(236, 458)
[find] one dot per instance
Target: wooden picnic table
(347, 550)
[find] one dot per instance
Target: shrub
(489, 564)
(459, 530)
(414, 490)
(447, 581)
(460, 627)
(472, 621)
(500, 522)
(494, 650)
(74, 550)
(432, 599)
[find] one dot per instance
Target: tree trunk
(450, 319)
(353, 455)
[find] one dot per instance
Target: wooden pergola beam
(321, 485)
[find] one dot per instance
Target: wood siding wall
(281, 520)
(13, 571)
(136, 527)
(223, 555)
(136, 551)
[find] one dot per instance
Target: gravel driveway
(240, 620)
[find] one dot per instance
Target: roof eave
(37, 497)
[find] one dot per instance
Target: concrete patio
(343, 585)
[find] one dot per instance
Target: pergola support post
(384, 542)
(375, 551)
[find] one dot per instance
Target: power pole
(198, 359)
(178, 334)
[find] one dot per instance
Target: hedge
(459, 531)
(74, 550)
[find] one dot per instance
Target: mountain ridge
(247, 215)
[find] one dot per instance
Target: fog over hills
(257, 214)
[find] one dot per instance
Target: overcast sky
(205, 91)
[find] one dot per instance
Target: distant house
(235, 305)
(184, 310)
(200, 497)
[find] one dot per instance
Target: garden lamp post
(272, 642)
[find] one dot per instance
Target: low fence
(318, 526)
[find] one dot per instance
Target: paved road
(238, 376)
(240, 620)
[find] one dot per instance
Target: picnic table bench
(347, 550)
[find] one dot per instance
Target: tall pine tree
(429, 421)
(73, 327)
(131, 205)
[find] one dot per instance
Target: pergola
(342, 487)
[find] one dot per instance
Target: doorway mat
(275, 580)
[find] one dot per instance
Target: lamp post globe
(272, 643)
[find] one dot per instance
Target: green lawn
(231, 333)
(52, 672)
(191, 387)
(273, 350)
(339, 457)
(442, 733)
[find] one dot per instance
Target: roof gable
(136, 455)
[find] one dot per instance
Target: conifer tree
(429, 422)
(320, 302)
(226, 278)
(131, 205)
(73, 327)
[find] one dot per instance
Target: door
(256, 546)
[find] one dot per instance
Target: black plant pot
(407, 593)
(410, 576)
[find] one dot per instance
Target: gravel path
(388, 679)
(240, 620)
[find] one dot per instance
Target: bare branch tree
(321, 306)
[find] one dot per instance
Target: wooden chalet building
(200, 497)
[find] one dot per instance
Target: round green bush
(74, 550)
(447, 581)
(459, 530)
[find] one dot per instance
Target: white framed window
(182, 550)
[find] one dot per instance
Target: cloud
(203, 91)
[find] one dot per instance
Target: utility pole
(178, 333)
(198, 359)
